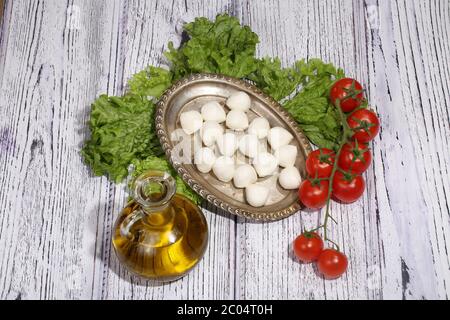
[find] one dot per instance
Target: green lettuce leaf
(311, 107)
(274, 80)
(122, 130)
(221, 46)
(151, 82)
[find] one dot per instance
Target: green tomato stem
(346, 135)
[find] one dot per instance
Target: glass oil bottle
(160, 235)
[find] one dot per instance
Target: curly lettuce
(311, 107)
(151, 82)
(122, 130)
(221, 46)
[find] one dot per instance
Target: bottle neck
(154, 191)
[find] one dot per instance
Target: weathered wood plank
(57, 59)
(294, 30)
(397, 232)
(149, 27)
(412, 183)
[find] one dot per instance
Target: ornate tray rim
(194, 184)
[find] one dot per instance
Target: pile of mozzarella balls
(221, 149)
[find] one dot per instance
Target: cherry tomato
(365, 124)
(314, 195)
(355, 157)
(348, 188)
(308, 247)
(349, 92)
(332, 264)
(319, 163)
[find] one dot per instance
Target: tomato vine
(347, 134)
(342, 177)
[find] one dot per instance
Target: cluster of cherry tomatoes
(309, 248)
(338, 174)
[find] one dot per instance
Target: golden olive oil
(160, 239)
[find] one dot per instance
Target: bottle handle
(128, 222)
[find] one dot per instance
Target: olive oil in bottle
(160, 235)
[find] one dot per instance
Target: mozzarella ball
(244, 176)
(290, 178)
(239, 101)
(259, 127)
(287, 156)
(191, 121)
(228, 144)
(204, 159)
(265, 164)
(256, 195)
(237, 120)
(213, 111)
(224, 169)
(211, 132)
(249, 145)
(279, 137)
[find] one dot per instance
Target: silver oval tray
(192, 93)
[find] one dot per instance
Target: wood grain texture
(56, 60)
(147, 29)
(56, 219)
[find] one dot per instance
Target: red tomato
(332, 264)
(314, 196)
(348, 188)
(308, 247)
(365, 124)
(355, 158)
(349, 92)
(319, 163)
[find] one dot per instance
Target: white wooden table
(56, 218)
